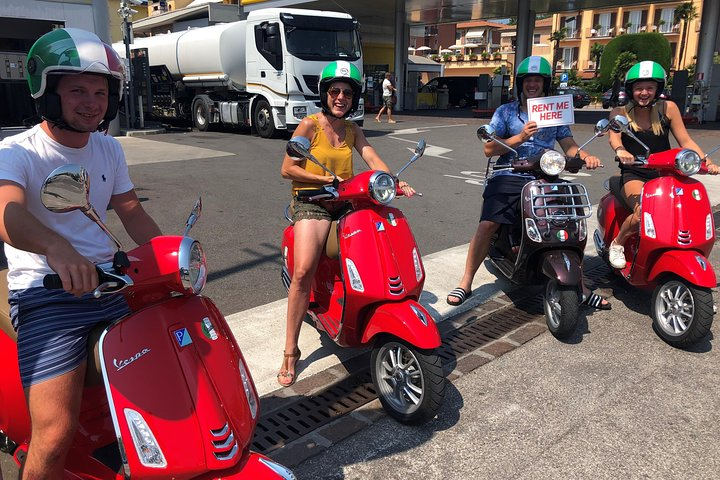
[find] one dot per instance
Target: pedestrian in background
(389, 98)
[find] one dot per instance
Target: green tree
(595, 53)
(557, 36)
(622, 64)
(682, 15)
(646, 46)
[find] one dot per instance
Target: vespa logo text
(351, 234)
(124, 363)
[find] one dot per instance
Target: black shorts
(642, 174)
(501, 197)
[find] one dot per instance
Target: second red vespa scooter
(670, 251)
(367, 286)
(167, 392)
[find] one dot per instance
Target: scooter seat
(5, 323)
(615, 186)
(332, 249)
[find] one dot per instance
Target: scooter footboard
(407, 320)
(688, 264)
(565, 266)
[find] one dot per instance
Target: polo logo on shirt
(103, 177)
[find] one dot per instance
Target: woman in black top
(651, 119)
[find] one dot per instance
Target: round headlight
(382, 187)
(191, 264)
(552, 163)
(687, 162)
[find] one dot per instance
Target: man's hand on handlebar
(592, 162)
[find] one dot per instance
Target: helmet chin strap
(63, 125)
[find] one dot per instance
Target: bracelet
(618, 148)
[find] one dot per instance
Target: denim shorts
(52, 329)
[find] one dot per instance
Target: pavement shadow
(402, 439)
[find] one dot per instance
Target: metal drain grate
(283, 425)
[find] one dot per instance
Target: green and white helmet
(646, 70)
(71, 51)
(533, 65)
(340, 71)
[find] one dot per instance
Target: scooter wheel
(682, 313)
(409, 382)
(562, 307)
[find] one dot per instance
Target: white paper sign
(551, 111)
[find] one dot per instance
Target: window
(571, 23)
(536, 39)
(635, 21)
(666, 19)
(567, 58)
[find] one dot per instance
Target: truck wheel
(682, 313)
(201, 116)
(263, 120)
(562, 305)
(409, 382)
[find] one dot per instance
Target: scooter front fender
(688, 264)
(407, 320)
(565, 266)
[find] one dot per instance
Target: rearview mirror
(619, 124)
(486, 133)
(66, 189)
(298, 148)
(420, 148)
(602, 126)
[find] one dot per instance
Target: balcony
(601, 32)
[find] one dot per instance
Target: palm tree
(557, 36)
(683, 14)
(595, 53)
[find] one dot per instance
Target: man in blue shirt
(502, 191)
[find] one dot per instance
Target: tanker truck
(261, 72)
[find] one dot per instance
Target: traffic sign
(564, 77)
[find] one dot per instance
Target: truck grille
(312, 82)
(559, 201)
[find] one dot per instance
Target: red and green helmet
(646, 70)
(533, 65)
(340, 71)
(71, 51)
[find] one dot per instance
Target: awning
(455, 47)
(475, 34)
(423, 48)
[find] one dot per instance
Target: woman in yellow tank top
(332, 139)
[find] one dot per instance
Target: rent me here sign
(551, 111)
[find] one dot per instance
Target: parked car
(461, 90)
(607, 100)
(580, 97)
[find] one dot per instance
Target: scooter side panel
(688, 264)
(399, 319)
(610, 215)
(14, 416)
(163, 362)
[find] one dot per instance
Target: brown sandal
(284, 372)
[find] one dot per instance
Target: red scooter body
(170, 373)
(367, 286)
(670, 251)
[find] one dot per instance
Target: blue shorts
(52, 329)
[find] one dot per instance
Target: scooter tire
(409, 381)
(673, 302)
(562, 309)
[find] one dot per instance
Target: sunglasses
(334, 92)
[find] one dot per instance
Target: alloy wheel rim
(675, 307)
(400, 378)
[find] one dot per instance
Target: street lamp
(126, 13)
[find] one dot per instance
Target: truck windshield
(316, 44)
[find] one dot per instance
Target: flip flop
(595, 301)
(461, 294)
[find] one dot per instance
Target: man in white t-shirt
(389, 93)
(77, 82)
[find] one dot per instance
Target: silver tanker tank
(217, 51)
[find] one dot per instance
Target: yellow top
(336, 159)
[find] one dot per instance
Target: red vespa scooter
(168, 393)
(670, 251)
(367, 286)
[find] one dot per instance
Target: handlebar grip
(52, 281)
